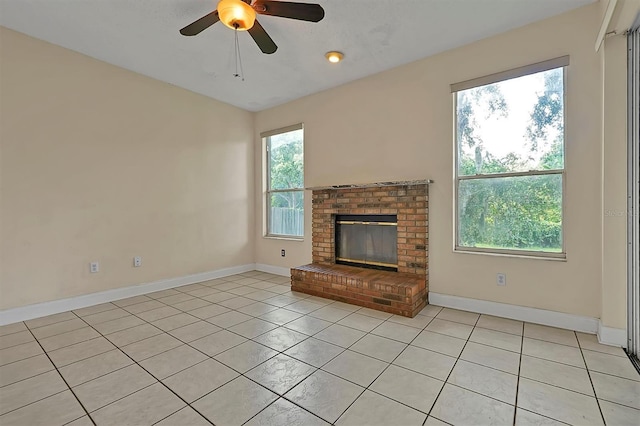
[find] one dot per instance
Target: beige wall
(614, 181)
(398, 126)
(99, 163)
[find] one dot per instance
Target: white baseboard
(606, 335)
(278, 270)
(521, 313)
(38, 310)
(612, 336)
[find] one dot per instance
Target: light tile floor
(246, 350)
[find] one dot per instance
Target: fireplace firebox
(368, 241)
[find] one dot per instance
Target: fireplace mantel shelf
(372, 185)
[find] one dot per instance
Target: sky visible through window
(284, 138)
(505, 132)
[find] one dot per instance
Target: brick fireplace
(404, 292)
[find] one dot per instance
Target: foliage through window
(510, 165)
(285, 183)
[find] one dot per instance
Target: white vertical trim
(633, 192)
(37, 310)
(612, 336)
(608, 14)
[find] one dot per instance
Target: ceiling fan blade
(262, 39)
(284, 9)
(201, 24)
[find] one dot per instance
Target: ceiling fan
(240, 15)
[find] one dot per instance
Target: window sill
(282, 237)
(559, 257)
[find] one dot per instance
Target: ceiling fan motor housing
(236, 14)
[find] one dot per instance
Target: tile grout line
(560, 387)
(27, 378)
(370, 332)
(309, 314)
(15, 332)
(515, 410)
(63, 379)
(553, 385)
(136, 314)
(435, 401)
(207, 320)
(391, 363)
(75, 362)
(209, 357)
(18, 360)
(263, 386)
(595, 395)
(345, 349)
(320, 368)
(383, 370)
(241, 374)
(545, 416)
(343, 378)
(38, 400)
(22, 343)
(77, 316)
(518, 375)
(282, 352)
(158, 381)
(282, 396)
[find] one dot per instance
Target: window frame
(266, 142)
(562, 62)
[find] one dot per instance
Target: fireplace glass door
(369, 241)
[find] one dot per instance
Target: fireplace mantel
(372, 185)
(408, 200)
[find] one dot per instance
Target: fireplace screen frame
(344, 220)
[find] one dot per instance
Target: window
(285, 182)
(510, 161)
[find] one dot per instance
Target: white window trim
(267, 176)
(496, 78)
(562, 61)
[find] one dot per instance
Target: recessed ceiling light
(334, 57)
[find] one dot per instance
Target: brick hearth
(394, 292)
(404, 292)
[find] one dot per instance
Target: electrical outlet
(283, 253)
(94, 267)
(137, 261)
(501, 279)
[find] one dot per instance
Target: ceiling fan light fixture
(334, 57)
(236, 14)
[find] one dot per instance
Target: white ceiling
(375, 35)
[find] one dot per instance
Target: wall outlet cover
(501, 279)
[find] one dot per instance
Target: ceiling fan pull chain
(237, 55)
